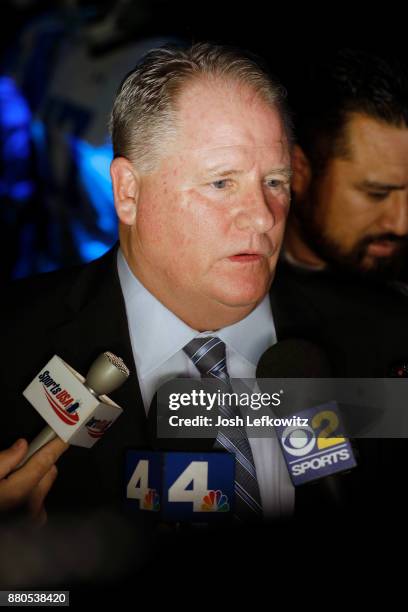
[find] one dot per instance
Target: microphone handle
(45, 436)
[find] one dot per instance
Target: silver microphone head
(107, 373)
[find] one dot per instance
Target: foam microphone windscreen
(294, 358)
(178, 443)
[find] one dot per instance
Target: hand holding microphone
(27, 474)
(30, 484)
(105, 375)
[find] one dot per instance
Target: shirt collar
(157, 333)
(251, 336)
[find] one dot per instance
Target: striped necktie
(208, 355)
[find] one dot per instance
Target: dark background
(55, 200)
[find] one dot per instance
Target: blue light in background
(37, 131)
(89, 248)
(15, 147)
(19, 133)
(93, 166)
(14, 110)
(21, 190)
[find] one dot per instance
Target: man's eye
(378, 195)
(221, 184)
(274, 183)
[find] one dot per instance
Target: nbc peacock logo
(151, 501)
(215, 501)
(97, 427)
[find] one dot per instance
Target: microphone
(107, 373)
(294, 358)
(184, 479)
(159, 413)
(316, 450)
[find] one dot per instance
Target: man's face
(355, 215)
(210, 218)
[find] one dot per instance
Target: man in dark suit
(201, 199)
(200, 178)
(201, 222)
(201, 186)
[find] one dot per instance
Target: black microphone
(294, 358)
(299, 358)
(159, 413)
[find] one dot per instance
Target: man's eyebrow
(381, 186)
(222, 171)
(285, 171)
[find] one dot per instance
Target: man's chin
(372, 268)
(239, 290)
(240, 298)
(371, 264)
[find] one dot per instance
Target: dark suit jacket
(79, 313)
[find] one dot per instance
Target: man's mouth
(383, 248)
(246, 257)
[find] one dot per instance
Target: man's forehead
(220, 123)
(239, 158)
(229, 91)
(239, 149)
(232, 158)
(218, 109)
(366, 133)
(376, 151)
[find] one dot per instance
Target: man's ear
(126, 189)
(302, 172)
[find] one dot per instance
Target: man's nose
(395, 218)
(256, 213)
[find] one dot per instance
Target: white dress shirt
(158, 337)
